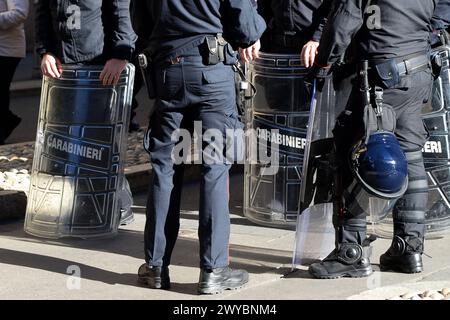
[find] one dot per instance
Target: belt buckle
(407, 66)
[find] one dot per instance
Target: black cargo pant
(8, 66)
(407, 100)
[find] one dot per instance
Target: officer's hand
(251, 53)
(112, 71)
(51, 66)
(309, 53)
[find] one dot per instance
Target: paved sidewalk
(33, 268)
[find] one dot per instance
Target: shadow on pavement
(57, 265)
(128, 243)
(131, 243)
(298, 274)
(188, 215)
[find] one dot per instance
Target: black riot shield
(278, 117)
(436, 155)
(78, 183)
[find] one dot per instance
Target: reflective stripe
(418, 185)
(354, 224)
(410, 216)
(413, 156)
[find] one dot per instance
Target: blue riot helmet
(380, 166)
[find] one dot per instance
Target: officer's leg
(163, 205)
(164, 196)
(8, 120)
(214, 227)
(166, 230)
(409, 212)
(173, 217)
(351, 256)
(216, 109)
(405, 253)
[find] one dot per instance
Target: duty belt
(413, 64)
(401, 66)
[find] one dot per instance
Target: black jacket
(305, 18)
(403, 28)
(84, 30)
(441, 17)
(170, 27)
(440, 22)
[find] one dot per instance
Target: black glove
(318, 75)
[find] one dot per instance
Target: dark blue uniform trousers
(189, 91)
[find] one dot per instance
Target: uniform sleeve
(243, 25)
(120, 38)
(343, 23)
(17, 14)
(441, 16)
(142, 22)
(322, 13)
(44, 33)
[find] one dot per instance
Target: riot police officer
(84, 31)
(294, 26)
(87, 32)
(393, 36)
(191, 51)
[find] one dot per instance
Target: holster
(217, 49)
(436, 64)
(388, 73)
(245, 89)
(146, 66)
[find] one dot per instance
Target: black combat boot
(351, 258)
(154, 277)
(347, 260)
(404, 255)
(213, 281)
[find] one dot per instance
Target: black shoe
(404, 255)
(154, 277)
(348, 260)
(134, 126)
(11, 122)
(213, 281)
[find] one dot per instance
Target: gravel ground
(443, 294)
(16, 161)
